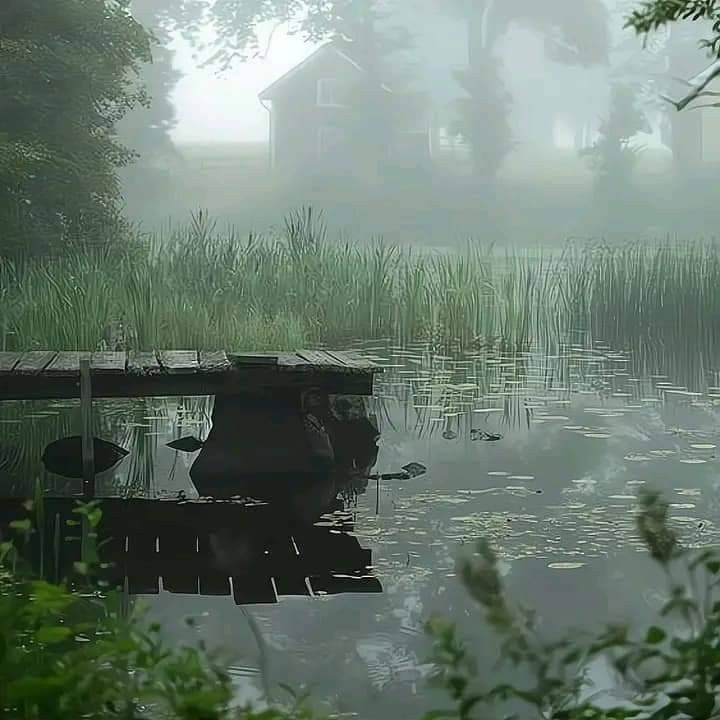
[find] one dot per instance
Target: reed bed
(201, 288)
(204, 289)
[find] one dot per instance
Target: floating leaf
(414, 469)
(482, 435)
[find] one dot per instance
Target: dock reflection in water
(264, 534)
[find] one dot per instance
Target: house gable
(328, 54)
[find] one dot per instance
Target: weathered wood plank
(34, 362)
(214, 362)
(108, 362)
(64, 364)
(8, 360)
(319, 359)
(291, 361)
(258, 358)
(49, 375)
(143, 363)
(178, 361)
(352, 360)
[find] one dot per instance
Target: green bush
(67, 651)
(662, 674)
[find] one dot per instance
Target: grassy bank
(202, 288)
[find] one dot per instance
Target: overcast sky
(225, 107)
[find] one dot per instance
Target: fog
(561, 134)
(378, 309)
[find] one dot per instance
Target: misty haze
(359, 359)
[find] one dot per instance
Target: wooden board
(214, 361)
(143, 363)
(8, 360)
(179, 361)
(292, 361)
(318, 359)
(108, 362)
(34, 362)
(64, 364)
(50, 375)
(254, 358)
(351, 360)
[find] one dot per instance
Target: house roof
(307, 63)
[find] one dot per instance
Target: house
(329, 115)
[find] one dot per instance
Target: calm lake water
(581, 431)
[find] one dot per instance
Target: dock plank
(179, 361)
(46, 374)
(258, 358)
(108, 362)
(8, 360)
(352, 360)
(214, 362)
(292, 361)
(34, 362)
(143, 363)
(319, 359)
(64, 364)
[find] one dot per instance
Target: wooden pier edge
(47, 374)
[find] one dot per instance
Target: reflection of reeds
(26, 428)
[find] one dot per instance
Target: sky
(223, 107)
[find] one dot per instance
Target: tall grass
(201, 288)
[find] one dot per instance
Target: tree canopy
(67, 75)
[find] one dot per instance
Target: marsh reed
(202, 288)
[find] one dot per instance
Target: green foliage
(66, 78)
(666, 672)
(66, 651)
(653, 14)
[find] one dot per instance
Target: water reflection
(577, 433)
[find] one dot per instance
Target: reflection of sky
(570, 550)
(588, 457)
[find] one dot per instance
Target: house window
(329, 93)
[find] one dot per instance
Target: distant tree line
(70, 70)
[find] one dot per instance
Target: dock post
(88, 449)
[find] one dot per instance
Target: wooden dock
(48, 374)
(253, 554)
